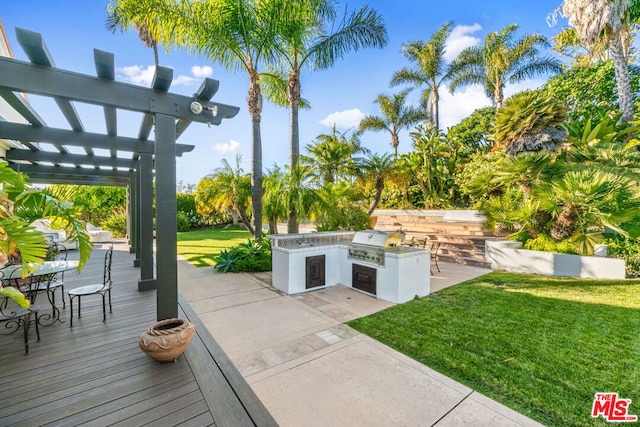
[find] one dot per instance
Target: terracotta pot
(166, 340)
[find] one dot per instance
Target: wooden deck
(95, 373)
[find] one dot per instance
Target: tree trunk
(155, 54)
(621, 68)
(244, 220)
(378, 196)
(395, 142)
(254, 101)
(293, 94)
(498, 95)
(273, 225)
(435, 99)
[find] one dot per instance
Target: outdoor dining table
(30, 283)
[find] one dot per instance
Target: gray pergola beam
(24, 77)
(162, 79)
(22, 107)
(65, 170)
(205, 92)
(75, 159)
(21, 132)
(106, 181)
(106, 69)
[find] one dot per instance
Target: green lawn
(201, 247)
(540, 345)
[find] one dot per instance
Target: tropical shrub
(545, 243)
(590, 92)
(472, 132)
(116, 223)
(250, 256)
(627, 249)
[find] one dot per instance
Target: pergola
(131, 163)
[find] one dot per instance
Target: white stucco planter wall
(507, 255)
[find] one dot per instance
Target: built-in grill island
(370, 261)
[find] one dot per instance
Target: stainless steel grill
(370, 245)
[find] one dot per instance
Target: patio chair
(103, 289)
(12, 316)
(97, 234)
(51, 282)
(53, 236)
(435, 247)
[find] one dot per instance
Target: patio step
(462, 252)
(463, 260)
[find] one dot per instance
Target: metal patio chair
(12, 316)
(50, 283)
(103, 289)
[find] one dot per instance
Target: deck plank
(95, 374)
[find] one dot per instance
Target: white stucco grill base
(404, 275)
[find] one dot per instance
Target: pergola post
(166, 212)
(131, 213)
(146, 282)
(136, 218)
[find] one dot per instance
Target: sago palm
(502, 60)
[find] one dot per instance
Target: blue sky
(342, 95)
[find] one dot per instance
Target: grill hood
(376, 238)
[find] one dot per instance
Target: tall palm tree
(592, 20)
(501, 60)
(240, 35)
(429, 70)
(310, 37)
(396, 115)
(377, 168)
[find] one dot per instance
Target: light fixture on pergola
(131, 161)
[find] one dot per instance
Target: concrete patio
(309, 368)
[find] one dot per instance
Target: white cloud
(183, 80)
(461, 104)
(143, 76)
(201, 71)
(227, 147)
(344, 119)
(460, 39)
(465, 101)
(138, 75)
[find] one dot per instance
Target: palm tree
(331, 157)
(430, 70)
(240, 35)
(377, 168)
(228, 189)
(274, 197)
(396, 115)
(501, 60)
(592, 20)
(309, 37)
(117, 20)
